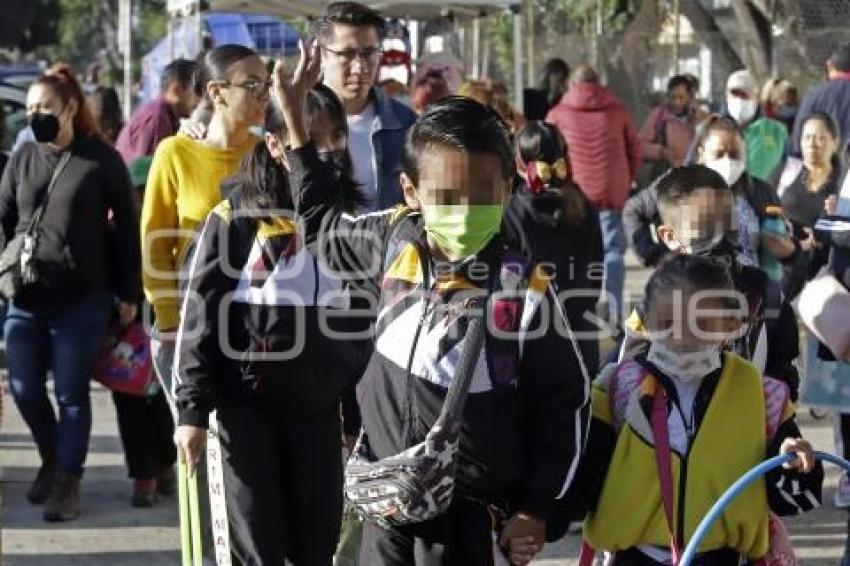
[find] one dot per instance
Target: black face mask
(45, 127)
(338, 158)
(724, 246)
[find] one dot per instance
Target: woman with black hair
(804, 188)
(277, 385)
(551, 220)
(555, 80)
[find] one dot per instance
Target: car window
(16, 120)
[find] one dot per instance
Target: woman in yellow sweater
(184, 184)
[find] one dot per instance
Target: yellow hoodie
(183, 187)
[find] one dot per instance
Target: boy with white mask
(764, 136)
(698, 215)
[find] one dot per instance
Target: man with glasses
(350, 36)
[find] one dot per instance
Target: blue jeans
(614, 242)
(67, 343)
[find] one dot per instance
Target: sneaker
(166, 483)
(42, 485)
(144, 493)
(64, 501)
(842, 494)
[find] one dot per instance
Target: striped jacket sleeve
(790, 492)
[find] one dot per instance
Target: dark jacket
(84, 252)
(251, 326)
(525, 418)
(575, 252)
(605, 152)
(767, 301)
(832, 97)
(641, 212)
(389, 130)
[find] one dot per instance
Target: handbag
(417, 484)
(19, 265)
(124, 364)
(825, 309)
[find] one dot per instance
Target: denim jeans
(67, 343)
(614, 242)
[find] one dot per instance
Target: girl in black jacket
(269, 363)
(551, 220)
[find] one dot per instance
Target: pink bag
(825, 309)
(124, 364)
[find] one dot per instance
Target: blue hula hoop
(731, 493)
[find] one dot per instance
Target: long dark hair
(539, 141)
(323, 101)
(106, 110)
(265, 182)
(556, 74)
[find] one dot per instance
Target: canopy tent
(389, 8)
(281, 8)
(267, 35)
(407, 9)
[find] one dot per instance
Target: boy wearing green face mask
(525, 420)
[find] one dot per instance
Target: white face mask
(684, 366)
(728, 168)
(742, 110)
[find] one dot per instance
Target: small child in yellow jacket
(675, 427)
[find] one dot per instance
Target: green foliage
(28, 24)
(554, 19)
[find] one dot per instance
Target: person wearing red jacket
(605, 154)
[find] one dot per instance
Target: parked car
(13, 99)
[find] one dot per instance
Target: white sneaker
(842, 494)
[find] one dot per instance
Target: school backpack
(418, 483)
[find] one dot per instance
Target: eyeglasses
(366, 54)
(258, 89)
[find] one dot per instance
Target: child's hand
(805, 461)
(290, 94)
(830, 206)
(523, 537)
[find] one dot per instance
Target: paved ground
(111, 533)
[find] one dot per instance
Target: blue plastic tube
(736, 488)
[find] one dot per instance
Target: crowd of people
(318, 261)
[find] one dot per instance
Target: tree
(28, 24)
(88, 33)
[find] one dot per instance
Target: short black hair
(680, 182)
(840, 58)
(185, 73)
(461, 123)
(699, 272)
(714, 123)
(347, 13)
(680, 80)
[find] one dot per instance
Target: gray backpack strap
(453, 404)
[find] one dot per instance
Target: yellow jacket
(183, 187)
(730, 441)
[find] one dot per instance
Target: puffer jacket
(603, 145)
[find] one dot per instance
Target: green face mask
(462, 230)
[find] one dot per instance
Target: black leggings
(147, 433)
(283, 484)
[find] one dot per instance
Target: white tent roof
(390, 8)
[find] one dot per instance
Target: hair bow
(540, 173)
